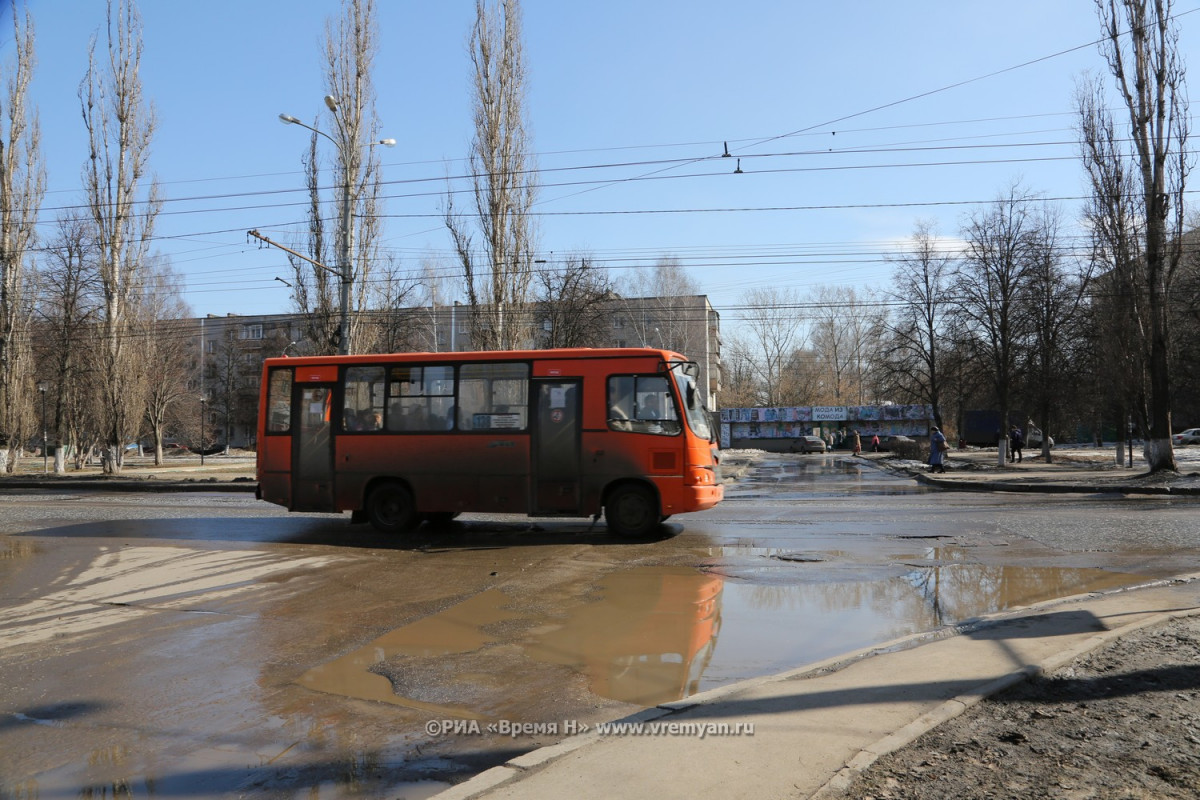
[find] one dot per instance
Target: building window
(251, 332)
(618, 322)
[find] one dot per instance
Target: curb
(1050, 488)
(1074, 487)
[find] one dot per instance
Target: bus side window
(493, 396)
(642, 404)
(362, 404)
(620, 402)
(279, 401)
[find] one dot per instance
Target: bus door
(312, 450)
(556, 434)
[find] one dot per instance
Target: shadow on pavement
(335, 532)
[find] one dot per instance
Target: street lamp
(345, 155)
(45, 463)
(203, 400)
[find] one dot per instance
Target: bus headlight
(700, 476)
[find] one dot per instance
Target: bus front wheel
(391, 509)
(632, 511)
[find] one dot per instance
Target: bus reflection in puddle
(646, 641)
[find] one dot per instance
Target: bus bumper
(699, 498)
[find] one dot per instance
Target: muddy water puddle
(650, 635)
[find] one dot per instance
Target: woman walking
(937, 450)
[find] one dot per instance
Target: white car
(1190, 436)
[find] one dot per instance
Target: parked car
(1190, 436)
(808, 444)
(893, 441)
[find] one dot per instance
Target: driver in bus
(650, 407)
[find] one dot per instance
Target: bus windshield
(685, 373)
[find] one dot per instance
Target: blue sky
(852, 121)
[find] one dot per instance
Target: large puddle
(657, 634)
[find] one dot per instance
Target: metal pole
(344, 336)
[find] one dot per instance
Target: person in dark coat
(937, 450)
(1018, 442)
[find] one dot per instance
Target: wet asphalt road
(201, 645)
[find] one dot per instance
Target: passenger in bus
(415, 419)
(372, 420)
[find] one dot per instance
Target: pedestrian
(875, 443)
(937, 450)
(1018, 442)
(857, 443)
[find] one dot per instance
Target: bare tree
(120, 127)
(436, 318)
(775, 324)
(498, 279)
(22, 185)
(739, 373)
(655, 310)
(1056, 300)
(227, 384)
(70, 307)
(846, 327)
(163, 331)
(919, 289)
(1140, 44)
(315, 290)
(325, 295)
(574, 303)
(389, 324)
(990, 287)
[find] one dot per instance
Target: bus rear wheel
(632, 511)
(390, 508)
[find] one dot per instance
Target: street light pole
(45, 455)
(345, 273)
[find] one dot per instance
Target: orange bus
(401, 439)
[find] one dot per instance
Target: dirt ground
(1122, 722)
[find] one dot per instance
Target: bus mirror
(691, 369)
(691, 395)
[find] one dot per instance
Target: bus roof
(557, 354)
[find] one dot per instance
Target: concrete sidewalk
(815, 727)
